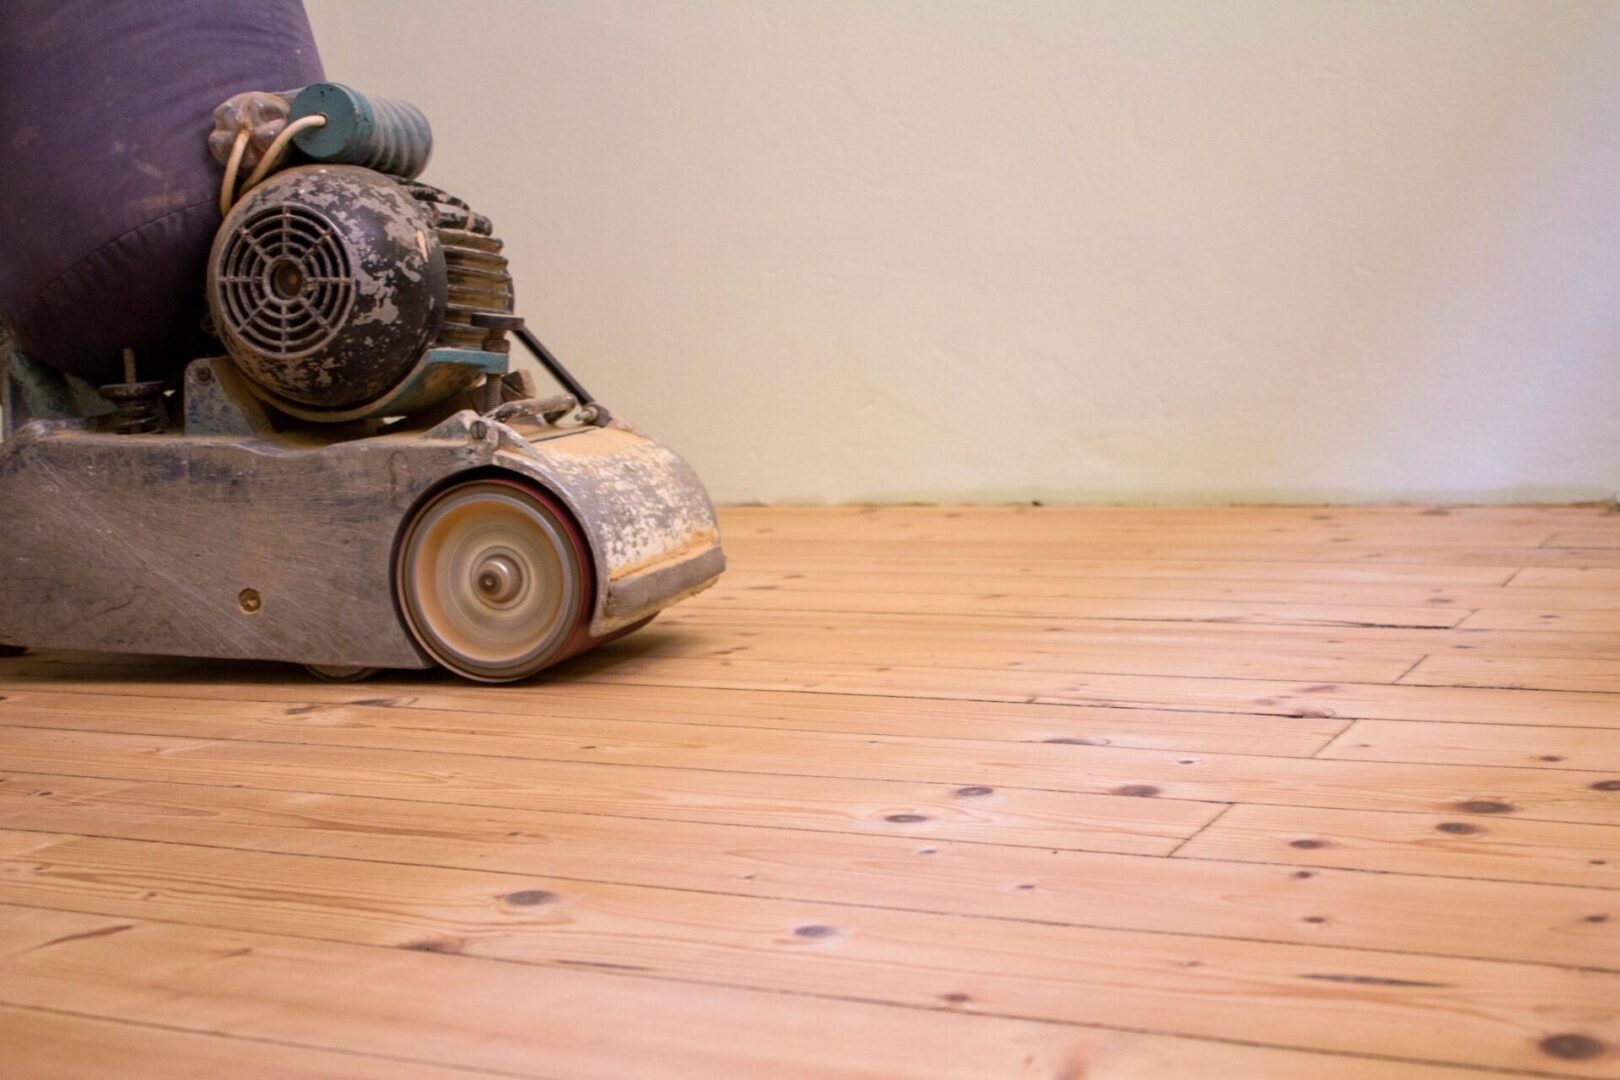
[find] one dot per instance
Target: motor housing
(326, 283)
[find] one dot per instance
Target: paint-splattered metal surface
(646, 514)
(326, 284)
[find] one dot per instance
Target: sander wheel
(340, 673)
(493, 580)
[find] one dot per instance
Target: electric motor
(327, 283)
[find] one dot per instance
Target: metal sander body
(360, 482)
(268, 546)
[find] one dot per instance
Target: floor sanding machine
(356, 479)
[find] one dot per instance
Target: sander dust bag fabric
(108, 195)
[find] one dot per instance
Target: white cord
(273, 153)
(227, 189)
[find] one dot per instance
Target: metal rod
(553, 365)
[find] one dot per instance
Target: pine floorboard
(913, 792)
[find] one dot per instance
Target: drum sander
(359, 479)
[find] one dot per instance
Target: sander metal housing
(360, 481)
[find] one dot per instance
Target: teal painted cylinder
(390, 136)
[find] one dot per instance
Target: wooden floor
(1260, 793)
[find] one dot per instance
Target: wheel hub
(499, 580)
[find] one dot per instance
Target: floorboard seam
(1037, 700)
(7, 768)
(800, 829)
(1200, 830)
(215, 1033)
(852, 999)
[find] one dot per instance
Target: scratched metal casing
(647, 516)
(326, 283)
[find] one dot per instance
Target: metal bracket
(218, 401)
(550, 410)
(437, 375)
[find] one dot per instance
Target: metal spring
(401, 140)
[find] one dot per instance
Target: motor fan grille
(285, 281)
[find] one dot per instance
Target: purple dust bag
(108, 197)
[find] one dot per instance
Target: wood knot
(905, 819)
(956, 997)
(1485, 806)
(1458, 828)
(970, 792)
(1571, 1047)
(1308, 845)
(1141, 791)
(815, 930)
(530, 897)
(1606, 785)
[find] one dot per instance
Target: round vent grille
(285, 281)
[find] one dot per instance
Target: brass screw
(205, 375)
(249, 599)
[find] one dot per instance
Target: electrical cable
(272, 154)
(227, 188)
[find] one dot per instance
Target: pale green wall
(873, 249)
